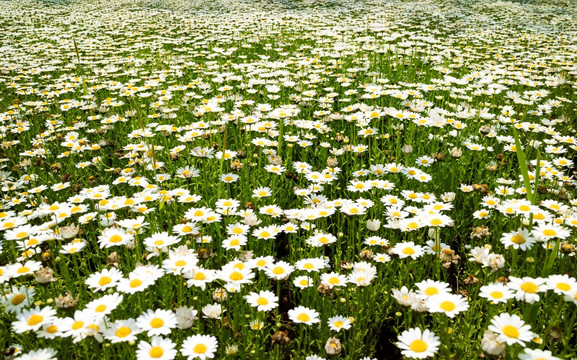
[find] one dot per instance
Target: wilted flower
(333, 346)
(68, 232)
(373, 225)
(185, 317)
(45, 275)
(456, 152)
(491, 345)
(66, 301)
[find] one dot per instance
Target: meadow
(268, 179)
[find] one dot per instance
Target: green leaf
(523, 165)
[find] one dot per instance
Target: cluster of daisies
(207, 179)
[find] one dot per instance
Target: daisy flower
(26, 269)
(303, 315)
(41, 354)
(18, 298)
(548, 231)
(333, 279)
(76, 327)
(311, 264)
(122, 331)
(417, 344)
(511, 329)
(265, 232)
(157, 322)
(105, 305)
(279, 271)
(158, 348)
(237, 229)
(114, 237)
(233, 274)
(303, 281)
(135, 283)
(527, 289)
(428, 288)
(338, 323)
(537, 354)
(179, 263)
(382, 258)
(199, 346)
(186, 229)
(229, 178)
(33, 319)
(260, 262)
(261, 192)
(408, 249)
(107, 278)
(561, 284)
(496, 293)
(449, 304)
(321, 239)
(199, 277)
(263, 300)
(160, 240)
(520, 239)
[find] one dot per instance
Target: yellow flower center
(23, 270)
(236, 276)
(123, 332)
(418, 346)
(115, 238)
(135, 283)
(496, 294)
(529, 287)
(200, 348)
(510, 331)
(156, 323)
(104, 280)
(77, 325)
(447, 306)
(18, 299)
(278, 270)
(303, 317)
(180, 263)
(563, 286)
(35, 320)
(549, 232)
(430, 291)
(52, 329)
(408, 251)
(262, 301)
(199, 276)
(518, 239)
(156, 352)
